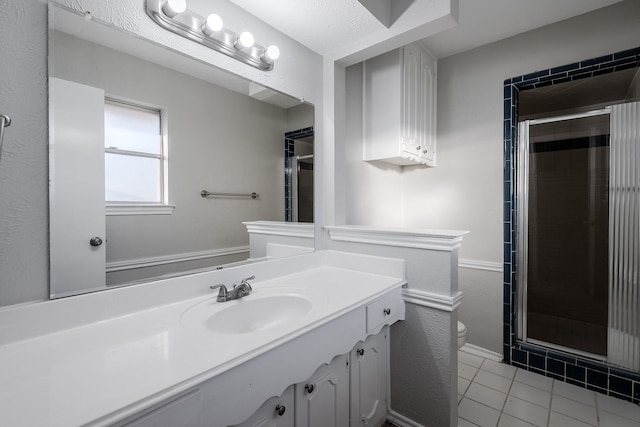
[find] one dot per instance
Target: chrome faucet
(238, 291)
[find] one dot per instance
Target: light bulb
(174, 7)
(245, 40)
(272, 53)
(212, 24)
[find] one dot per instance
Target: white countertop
(76, 375)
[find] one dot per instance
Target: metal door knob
(309, 388)
(95, 241)
(280, 410)
(360, 351)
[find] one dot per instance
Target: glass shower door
(564, 300)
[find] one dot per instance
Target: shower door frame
(522, 237)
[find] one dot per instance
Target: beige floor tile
(573, 392)
(487, 396)
(501, 369)
(507, 420)
(574, 409)
(494, 381)
(478, 413)
(534, 414)
(530, 394)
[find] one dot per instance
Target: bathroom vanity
(306, 347)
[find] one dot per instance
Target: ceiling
(325, 25)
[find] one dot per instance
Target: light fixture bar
(190, 25)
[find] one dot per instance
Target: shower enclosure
(578, 195)
(298, 175)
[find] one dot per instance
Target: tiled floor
(493, 394)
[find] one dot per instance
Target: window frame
(144, 208)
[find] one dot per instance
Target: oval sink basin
(252, 315)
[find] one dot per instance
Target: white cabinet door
(370, 380)
(412, 103)
(275, 412)
(399, 107)
(76, 192)
(427, 109)
(323, 400)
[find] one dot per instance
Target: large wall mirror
(137, 132)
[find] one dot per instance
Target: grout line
(553, 386)
(506, 399)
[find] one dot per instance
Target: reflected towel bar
(205, 193)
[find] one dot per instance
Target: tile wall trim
(567, 367)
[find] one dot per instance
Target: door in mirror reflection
(76, 203)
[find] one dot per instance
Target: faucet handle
(244, 281)
(247, 278)
(222, 293)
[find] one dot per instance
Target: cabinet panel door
(323, 400)
(370, 380)
(411, 105)
(428, 107)
(275, 412)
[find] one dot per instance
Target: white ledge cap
(434, 239)
(281, 228)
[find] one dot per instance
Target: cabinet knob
(386, 311)
(360, 351)
(309, 388)
(95, 241)
(280, 410)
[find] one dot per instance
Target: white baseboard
(175, 258)
(400, 420)
(482, 352)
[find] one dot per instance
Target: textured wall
(24, 236)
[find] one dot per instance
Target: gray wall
(464, 191)
(24, 257)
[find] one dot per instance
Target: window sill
(113, 210)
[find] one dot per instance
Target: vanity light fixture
(174, 16)
(272, 53)
(245, 40)
(212, 24)
(174, 7)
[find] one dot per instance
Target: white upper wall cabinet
(399, 107)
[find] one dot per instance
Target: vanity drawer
(385, 311)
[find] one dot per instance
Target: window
(135, 156)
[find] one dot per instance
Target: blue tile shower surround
(289, 152)
(576, 370)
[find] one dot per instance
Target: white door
(76, 188)
(323, 400)
(370, 380)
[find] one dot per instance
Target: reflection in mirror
(175, 127)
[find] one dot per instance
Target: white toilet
(462, 334)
